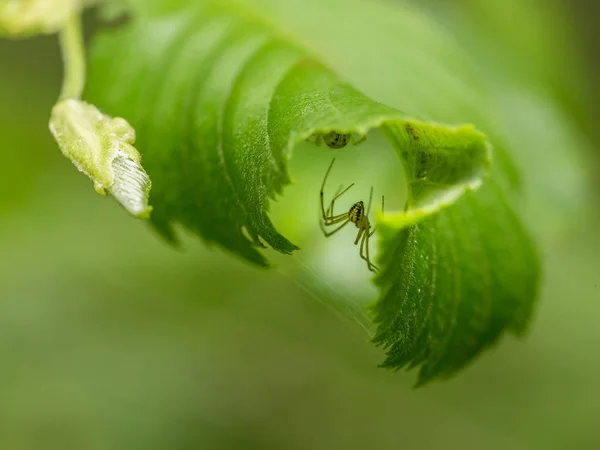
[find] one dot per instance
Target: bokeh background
(111, 339)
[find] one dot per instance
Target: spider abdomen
(333, 139)
(356, 212)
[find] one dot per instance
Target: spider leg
(362, 245)
(359, 235)
(332, 203)
(372, 267)
(335, 219)
(328, 215)
(365, 243)
(313, 138)
(362, 139)
(382, 210)
(339, 189)
(339, 194)
(323, 187)
(329, 233)
(370, 199)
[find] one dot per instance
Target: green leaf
(220, 95)
(460, 281)
(233, 102)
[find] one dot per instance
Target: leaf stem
(73, 54)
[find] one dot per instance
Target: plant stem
(71, 44)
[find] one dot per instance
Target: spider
(333, 139)
(356, 215)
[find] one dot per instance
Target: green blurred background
(111, 339)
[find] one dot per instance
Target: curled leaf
(243, 82)
(441, 164)
(101, 147)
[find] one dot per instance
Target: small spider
(356, 215)
(333, 139)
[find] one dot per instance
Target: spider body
(335, 140)
(356, 215)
